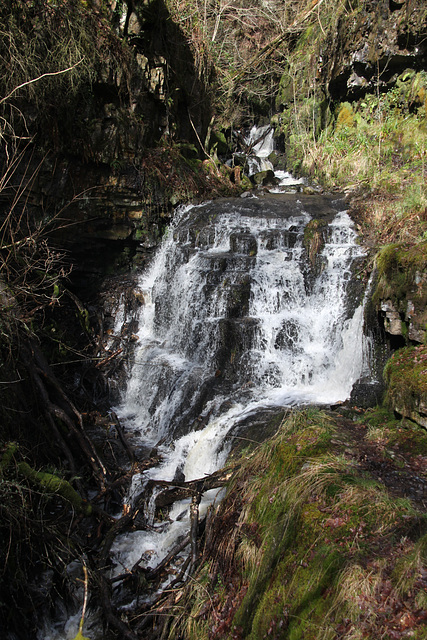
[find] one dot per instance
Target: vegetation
(40, 40)
(376, 148)
(263, 59)
(311, 543)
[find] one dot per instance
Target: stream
(239, 320)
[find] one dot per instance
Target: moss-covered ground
(323, 534)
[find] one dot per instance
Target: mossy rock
(218, 142)
(405, 375)
(53, 484)
(314, 238)
(266, 177)
(401, 275)
(286, 90)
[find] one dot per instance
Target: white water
(258, 158)
(303, 347)
(286, 179)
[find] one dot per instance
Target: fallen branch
(110, 616)
(168, 559)
(179, 490)
(49, 417)
(120, 433)
(194, 518)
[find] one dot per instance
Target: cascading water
(260, 145)
(236, 319)
(260, 142)
(240, 319)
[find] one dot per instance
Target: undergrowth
(374, 147)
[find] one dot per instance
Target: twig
(121, 435)
(82, 619)
(108, 358)
(44, 75)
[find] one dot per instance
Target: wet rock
(392, 320)
(367, 394)
(243, 243)
(311, 190)
(264, 178)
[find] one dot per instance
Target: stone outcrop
(129, 149)
(372, 44)
(401, 292)
(411, 324)
(400, 298)
(405, 376)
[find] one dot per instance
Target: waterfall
(261, 144)
(237, 319)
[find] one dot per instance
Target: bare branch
(44, 75)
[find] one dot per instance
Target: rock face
(405, 375)
(409, 324)
(160, 93)
(400, 298)
(114, 164)
(401, 291)
(372, 44)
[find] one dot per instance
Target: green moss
(398, 268)
(378, 417)
(298, 596)
(398, 434)
(313, 597)
(281, 533)
(406, 377)
(307, 36)
(318, 526)
(53, 484)
(218, 143)
(8, 455)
